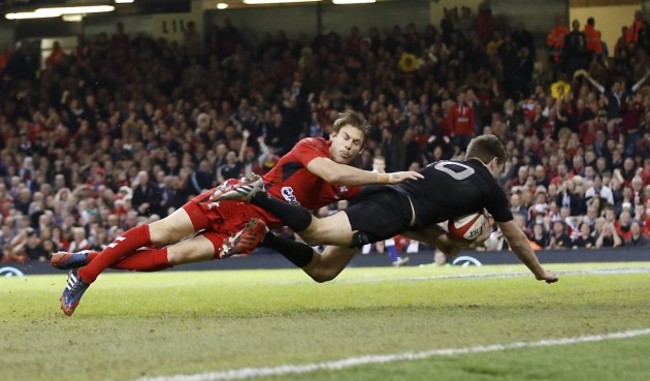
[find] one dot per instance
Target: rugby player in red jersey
(313, 174)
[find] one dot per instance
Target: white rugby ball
(468, 227)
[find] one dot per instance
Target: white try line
(281, 370)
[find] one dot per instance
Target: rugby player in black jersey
(449, 189)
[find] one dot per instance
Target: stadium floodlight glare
(42, 13)
(255, 2)
(81, 10)
(73, 18)
(345, 2)
(31, 15)
(222, 6)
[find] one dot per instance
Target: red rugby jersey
(289, 180)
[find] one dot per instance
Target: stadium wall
(538, 16)
(609, 20)
(134, 25)
(254, 22)
(268, 260)
(6, 34)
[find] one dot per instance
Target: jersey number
(451, 168)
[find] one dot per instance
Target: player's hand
(548, 277)
(485, 234)
(398, 177)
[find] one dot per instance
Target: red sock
(124, 245)
(92, 255)
(145, 260)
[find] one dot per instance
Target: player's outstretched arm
(342, 174)
(521, 247)
(437, 236)
(398, 177)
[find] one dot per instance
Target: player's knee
(323, 275)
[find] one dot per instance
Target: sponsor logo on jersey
(287, 193)
(342, 190)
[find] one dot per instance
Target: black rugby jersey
(452, 189)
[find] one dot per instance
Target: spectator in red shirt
(461, 118)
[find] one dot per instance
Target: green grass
(130, 325)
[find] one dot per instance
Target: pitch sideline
(281, 370)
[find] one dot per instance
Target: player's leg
(332, 230)
(199, 248)
(330, 263)
(170, 229)
(233, 223)
(163, 232)
(218, 244)
(195, 249)
(320, 267)
(206, 246)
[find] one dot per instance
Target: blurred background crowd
(124, 129)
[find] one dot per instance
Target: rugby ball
(468, 227)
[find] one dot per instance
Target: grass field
(133, 326)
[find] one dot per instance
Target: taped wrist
(383, 178)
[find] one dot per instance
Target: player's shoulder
(312, 144)
(314, 140)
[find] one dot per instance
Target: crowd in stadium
(123, 129)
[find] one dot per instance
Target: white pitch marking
(281, 370)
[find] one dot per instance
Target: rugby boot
(244, 241)
(74, 290)
(64, 260)
(240, 190)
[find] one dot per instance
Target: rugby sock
(297, 253)
(145, 260)
(92, 255)
(294, 216)
(124, 245)
(392, 252)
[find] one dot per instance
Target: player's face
(346, 144)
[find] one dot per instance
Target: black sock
(298, 253)
(294, 216)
